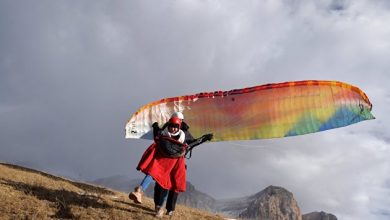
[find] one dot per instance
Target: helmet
(178, 115)
(175, 121)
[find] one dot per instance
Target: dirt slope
(32, 194)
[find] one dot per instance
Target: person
(160, 157)
(163, 161)
(160, 194)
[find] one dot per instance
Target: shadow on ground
(63, 199)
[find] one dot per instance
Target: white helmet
(178, 115)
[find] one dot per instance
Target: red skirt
(169, 172)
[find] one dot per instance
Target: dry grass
(31, 194)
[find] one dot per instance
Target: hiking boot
(170, 213)
(136, 196)
(156, 208)
(160, 212)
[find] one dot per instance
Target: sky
(73, 72)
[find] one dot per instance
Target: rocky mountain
(318, 216)
(233, 207)
(273, 203)
(196, 199)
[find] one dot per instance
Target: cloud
(71, 74)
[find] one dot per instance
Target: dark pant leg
(157, 193)
(160, 195)
(172, 199)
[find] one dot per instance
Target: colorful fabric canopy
(266, 111)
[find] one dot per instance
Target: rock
(273, 203)
(196, 199)
(318, 216)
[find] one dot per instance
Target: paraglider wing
(260, 112)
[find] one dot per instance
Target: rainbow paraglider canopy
(259, 112)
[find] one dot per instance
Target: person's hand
(155, 125)
(208, 137)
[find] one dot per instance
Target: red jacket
(169, 172)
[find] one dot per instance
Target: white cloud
(80, 69)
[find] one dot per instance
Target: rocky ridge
(319, 216)
(273, 203)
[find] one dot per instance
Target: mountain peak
(319, 216)
(274, 202)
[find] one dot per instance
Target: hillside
(30, 194)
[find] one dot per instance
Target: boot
(156, 208)
(170, 213)
(160, 212)
(136, 196)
